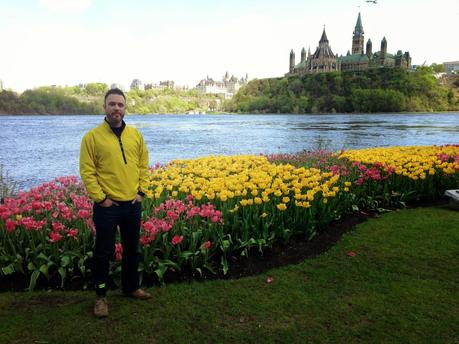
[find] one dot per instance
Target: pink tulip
(177, 239)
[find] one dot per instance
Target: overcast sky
(67, 42)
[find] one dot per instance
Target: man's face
(115, 107)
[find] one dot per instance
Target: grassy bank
(402, 286)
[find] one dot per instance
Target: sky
(68, 42)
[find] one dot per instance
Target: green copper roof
(301, 65)
(358, 26)
(378, 53)
(354, 58)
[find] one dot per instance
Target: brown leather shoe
(101, 307)
(139, 294)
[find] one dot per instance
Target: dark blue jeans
(106, 220)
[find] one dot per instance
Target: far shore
(247, 113)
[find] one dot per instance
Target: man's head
(115, 107)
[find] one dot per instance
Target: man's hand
(137, 199)
(108, 203)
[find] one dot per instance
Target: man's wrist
(102, 200)
(140, 193)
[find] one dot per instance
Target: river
(35, 149)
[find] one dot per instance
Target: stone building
(228, 86)
(451, 67)
(324, 60)
(137, 84)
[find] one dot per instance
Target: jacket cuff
(102, 200)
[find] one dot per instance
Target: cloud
(67, 6)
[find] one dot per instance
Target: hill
(374, 90)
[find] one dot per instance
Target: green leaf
(160, 271)
(33, 280)
(44, 269)
(8, 270)
(63, 274)
(208, 267)
(225, 245)
(224, 264)
(41, 255)
(186, 254)
(31, 266)
(65, 260)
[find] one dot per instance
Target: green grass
(401, 287)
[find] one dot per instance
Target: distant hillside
(89, 100)
(374, 90)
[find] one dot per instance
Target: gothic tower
(357, 39)
(292, 61)
(303, 55)
(383, 51)
(369, 48)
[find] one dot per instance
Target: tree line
(373, 90)
(88, 99)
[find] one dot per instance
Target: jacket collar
(116, 131)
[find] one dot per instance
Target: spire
(358, 26)
(324, 38)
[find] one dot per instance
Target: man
(114, 170)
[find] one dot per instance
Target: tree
(437, 68)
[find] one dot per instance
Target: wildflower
(351, 254)
(269, 280)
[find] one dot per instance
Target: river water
(35, 149)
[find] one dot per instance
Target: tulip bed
(199, 212)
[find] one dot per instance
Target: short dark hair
(114, 91)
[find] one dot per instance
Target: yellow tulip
(281, 206)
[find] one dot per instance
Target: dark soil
(295, 251)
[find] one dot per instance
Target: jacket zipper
(122, 149)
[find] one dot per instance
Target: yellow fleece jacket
(105, 171)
